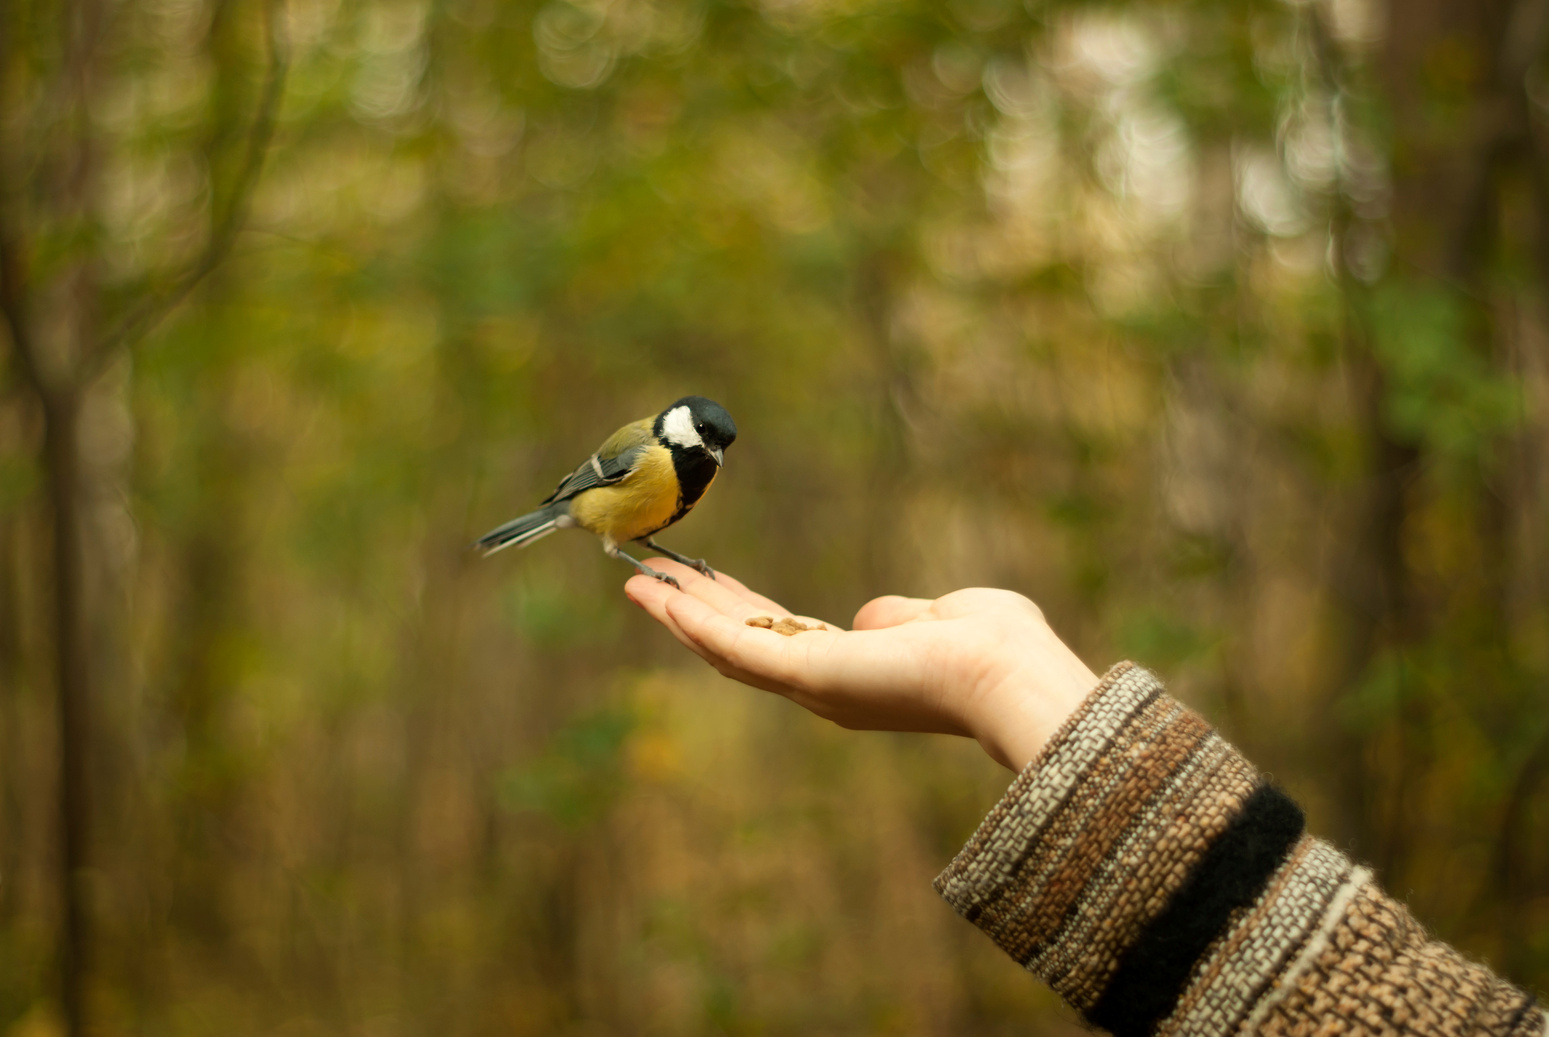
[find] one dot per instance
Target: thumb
(889, 611)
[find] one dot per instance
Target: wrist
(1014, 718)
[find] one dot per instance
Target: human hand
(980, 663)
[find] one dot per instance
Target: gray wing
(597, 471)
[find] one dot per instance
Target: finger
(720, 595)
(642, 589)
(762, 606)
(768, 606)
(889, 611)
(760, 657)
(652, 595)
(712, 591)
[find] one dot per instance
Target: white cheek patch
(678, 428)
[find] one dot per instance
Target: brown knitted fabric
(1378, 973)
(1259, 944)
(1093, 838)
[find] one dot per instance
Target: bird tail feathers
(524, 530)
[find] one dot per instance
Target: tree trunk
(61, 409)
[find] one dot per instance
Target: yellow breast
(640, 505)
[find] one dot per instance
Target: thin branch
(1372, 580)
(1330, 65)
(1538, 169)
(13, 308)
(13, 291)
(1503, 133)
(1505, 867)
(225, 227)
(1522, 43)
(1505, 880)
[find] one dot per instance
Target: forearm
(1153, 878)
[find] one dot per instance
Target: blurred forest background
(1218, 327)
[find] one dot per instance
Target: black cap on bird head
(695, 423)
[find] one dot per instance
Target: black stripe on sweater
(1153, 973)
(1521, 1013)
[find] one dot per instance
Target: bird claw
(664, 578)
(699, 565)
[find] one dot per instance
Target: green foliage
(579, 776)
(1164, 638)
(18, 482)
(1441, 390)
(1378, 698)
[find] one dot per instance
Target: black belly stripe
(696, 472)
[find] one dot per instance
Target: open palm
(978, 662)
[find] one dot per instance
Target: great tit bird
(647, 475)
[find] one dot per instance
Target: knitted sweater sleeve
(1144, 870)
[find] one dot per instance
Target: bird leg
(613, 551)
(693, 563)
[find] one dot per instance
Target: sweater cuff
(1131, 853)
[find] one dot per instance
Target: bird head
(695, 423)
